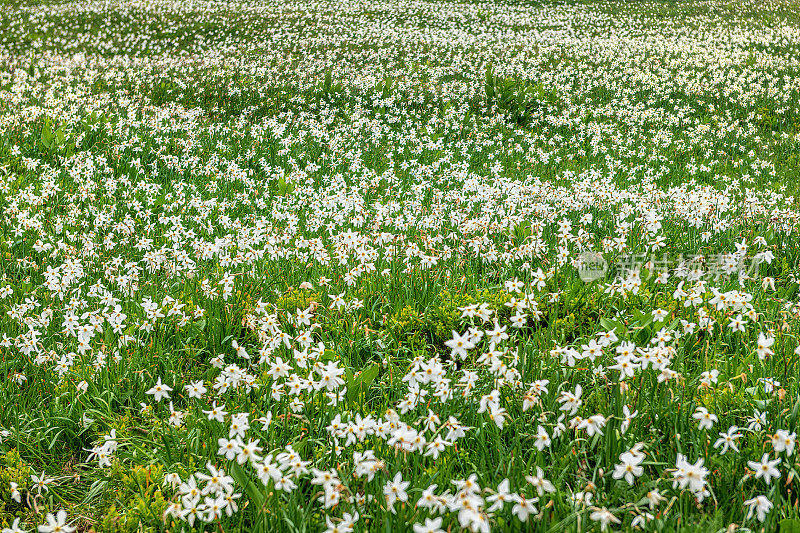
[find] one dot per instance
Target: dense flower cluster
(275, 263)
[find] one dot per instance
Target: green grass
(379, 171)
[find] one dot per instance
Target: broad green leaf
(359, 384)
(251, 489)
(615, 325)
(47, 134)
(789, 525)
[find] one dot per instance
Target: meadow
(429, 266)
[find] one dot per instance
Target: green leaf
(615, 325)
(674, 324)
(47, 134)
(789, 525)
(641, 319)
(489, 85)
(251, 489)
(257, 496)
(361, 383)
(160, 201)
(95, 490)
(793, 417)
(762, 404)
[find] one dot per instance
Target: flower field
(426, 266)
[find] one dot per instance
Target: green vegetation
(322, 266)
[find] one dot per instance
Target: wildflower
(172, 479)
(604, 516)
(230, 506)
(737, 324)
(238, 426)
(542, 439)
(782, 440)
(195, 389)
(217, 482)
(429, 500)
(654, 498)
(757, 421)
(728, 440)
(285, 484)
(706, 420)
(395, 490)
(190, 490)
(760, 505)
(432, 525)
(56, 524)
(498, 416)
(629, 467)
(229, 448)
(765, 469)
(640, 521)
(581, 498)
(542, 485)
(215, 413)
(764, 346)
(15, 527)
(691, 476)
(249, 452)
(709, 377)
(459, 345)
(499, 498)
(41, 483)
(159, 391)
(524, 507)
(659, 315)
(571, 401)
(770, 384)
(593, 425)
